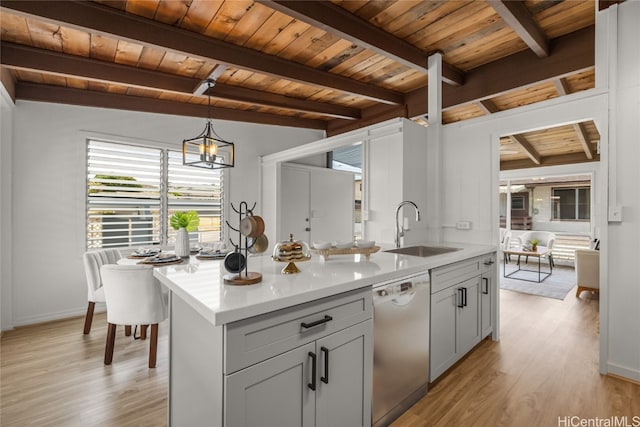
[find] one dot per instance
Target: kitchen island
(243, 355)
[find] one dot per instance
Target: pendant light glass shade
(208, 150)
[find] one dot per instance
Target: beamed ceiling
(330, 65)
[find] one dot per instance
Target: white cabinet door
(296, 185)
(343, 396)
(468, 318)
(487, 305)
(443, 331)
(273, 393)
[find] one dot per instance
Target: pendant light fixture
(208, 150)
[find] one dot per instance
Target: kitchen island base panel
(195, 367)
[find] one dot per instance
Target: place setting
(142, 253)
(161, 259)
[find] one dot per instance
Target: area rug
(556, 286)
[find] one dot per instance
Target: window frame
(164, 148)
(576, 189)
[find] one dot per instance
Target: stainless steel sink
(422, 251)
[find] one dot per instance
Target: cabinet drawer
(252, 340)
(449, 275)
(488, 262)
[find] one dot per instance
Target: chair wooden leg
(111, 340)
(143, 332)
(153, 345)
(127, 330)
(88, 319)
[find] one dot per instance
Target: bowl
(344, 245)
(321, 245)
(365, 243)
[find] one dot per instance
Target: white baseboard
(48, 317)
(622, 371)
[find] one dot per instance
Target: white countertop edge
(221, 317)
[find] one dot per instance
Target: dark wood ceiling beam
(517, 16)
(528, 148)
(346, 25)
(372, 115)
(26, 57)
(571, 54)
(268, 99)
(562, 86)
(563, 159)
(583, 137)
(87, 98)
(487, 106)
(97, 18)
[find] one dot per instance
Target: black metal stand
(248, 277)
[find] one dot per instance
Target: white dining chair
(93, 260)
(133, 297)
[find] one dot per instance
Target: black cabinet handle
(486, 285)
(464, 297)
(460, 298)
(312, 385)
(325, 352)
(317, 322)
(490, 262)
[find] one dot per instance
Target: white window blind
(132, 191)
(190, 188)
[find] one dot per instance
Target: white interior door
(332, 205)
(295, 204)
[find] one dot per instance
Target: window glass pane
(198, 189)
(564, 203)
(123, 195)
(584, 203)
(517, 203)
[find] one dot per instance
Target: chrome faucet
(399, 228)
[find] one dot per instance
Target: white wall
(49, 182)
(623, 257)
(6, 138)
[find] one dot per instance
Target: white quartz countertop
(200, 283)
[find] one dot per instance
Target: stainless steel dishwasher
(400, 346)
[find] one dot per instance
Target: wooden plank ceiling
(336, 66)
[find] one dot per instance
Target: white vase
(182, 243)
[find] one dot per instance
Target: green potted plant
(534, 245)
(184, 222)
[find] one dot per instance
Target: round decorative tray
(324, 253)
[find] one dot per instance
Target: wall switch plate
(463, 225)
(364, 215)
(615, 213)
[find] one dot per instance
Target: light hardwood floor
(544, 367)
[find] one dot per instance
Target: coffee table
(539, 253)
